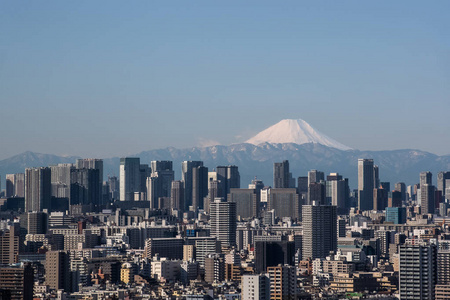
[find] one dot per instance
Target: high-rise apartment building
(130, 178)
(223, 221)
(9, 245)
(18, 281)
(365, 184)
(283, 282)
(417, 276)
(37, 189)
(57, 272)
(319, 230)
(255, 287)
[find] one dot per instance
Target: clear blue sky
(107, 78)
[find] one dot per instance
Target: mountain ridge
(257, 160)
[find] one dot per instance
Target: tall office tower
(283, 282)
(255, 287)
(247, 202)
(313, 177)
(130, 178)
(426, 178)
(395, 200)
(164, 170)
(376, 176)
(57, 273)
(281, 175)
(256, 185)
(114, 187)
(223, 221)
(9, 188)
(152, 191)
(199, 186)
(302, 187)
(145, 172)
(214, 191)
(417, 270)
(37, 222)
(9, 245)
(15, 185)
(386, 185)
(401, 187)
(273, 253)
(37, 189)
(186, 177)
(17, 280)
(319, 230)
(427, 203)
(228, 177)
(177, 195)
(317, 193)
(380, 199)
(84, 185)
(285, 202)
(337, 192)
(365, 184)
(441, 178)
(93, 163)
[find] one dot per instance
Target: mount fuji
(296, 132)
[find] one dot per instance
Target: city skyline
(370, 75)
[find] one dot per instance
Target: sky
(114, 78)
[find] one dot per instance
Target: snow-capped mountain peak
(294, 131)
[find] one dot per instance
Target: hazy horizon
(107, 79)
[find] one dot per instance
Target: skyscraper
(319, 230)
(285, 202)
(401, 187)
(281, 175)
(223, 221)
(177, 195)
(164, 171)
(130, 178)
(97, 164)
(186, 177)
(199, 186)
(228, 177)
(84, 188)
(317, 193)
(365, 184)
(441, 178)
(426, 178)
(427, 203)
(15, 185)
(337, 192)
(313, 177)
(247, 202)
(380, 198)
(37, 189)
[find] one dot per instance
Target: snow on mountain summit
(294, 131)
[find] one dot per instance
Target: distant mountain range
(293, 140)
(257, 160)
